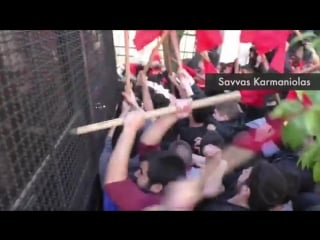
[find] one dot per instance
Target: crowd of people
(227, 157)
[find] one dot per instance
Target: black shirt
(192, 135)
(218, 205)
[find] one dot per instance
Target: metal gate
(50, 82)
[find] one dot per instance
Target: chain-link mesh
(47, 87)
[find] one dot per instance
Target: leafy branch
(302, 125)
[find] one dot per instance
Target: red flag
(255, 98)
(207, 39)
(267, 40)
(156, 57)
(133, 68)
(144, 37)
(292, 96)
(278, 61)
(247, 139)
(247, 36)
(190, 70)
(209, 68)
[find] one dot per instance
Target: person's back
(306, 202)
(291, 159)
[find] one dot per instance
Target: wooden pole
(205, 102)
(163, 37)
(127, 59)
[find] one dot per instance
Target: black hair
(165, 167)
(307, 54)
(216, 204)
(248, 67)
(292, 174)
(212, 138)
(268, 187)
(224, 66)
(201, 115)
(214, 57)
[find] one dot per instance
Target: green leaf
(312, 121)
(316, 44)
(309, 156)
(294, 133)
(316, 172)
(304, 36)
(314, 95)
(286, 109)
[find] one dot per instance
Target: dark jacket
(228, 129)
(306, 183)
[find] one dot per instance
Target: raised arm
(118, 165)
(154, 134)
(146, 97)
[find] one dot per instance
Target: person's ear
(156, 188)
(245, 191)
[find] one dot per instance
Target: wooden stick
(163, 37)
(175, 43)
(127, 58)
(205, 102)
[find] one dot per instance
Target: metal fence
(50, 82)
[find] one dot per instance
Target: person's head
(200, 115)
(261, 187)
(227, 111)
(211, 139)
(253, 55)
(183, 150)
(227, 67)
(214, 57)
(157, 169)
(292, 174)
(196, 63)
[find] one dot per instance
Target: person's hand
(213, 185)
(211, 127)
(174, 80)
(135, 120)
(185, 78)
(142, 79)
(125, 108)
(155, 208)
(183, 87)
(212, 152)
(130, 98)
(182, 195)
(184, 107)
